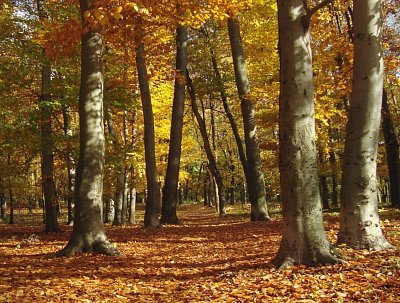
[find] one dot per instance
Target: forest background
(33, 39)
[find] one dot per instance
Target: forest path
(204, 259)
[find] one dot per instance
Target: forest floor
(205, 259)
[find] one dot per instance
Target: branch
(311, 11)
(320, 5)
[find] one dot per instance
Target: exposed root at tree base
(99, 247)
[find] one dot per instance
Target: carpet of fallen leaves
(205, 259)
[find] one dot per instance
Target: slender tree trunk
(120, 182)
(304, 240)
(255, 182)
(392, 152)
(132, 206)
(47, 169)
(88, 233)
(168, 211)
(332, 160)
(359, 219)
(232, 122)
(70, 164)
(153, 191)
(207, 147)
(10, 193)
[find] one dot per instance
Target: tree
(47, 167)
(153, 191)
(212, 163)
(254, 177)
(392, 152)
(168, 210)
(359, 218)
(304, 240)
(88, 233)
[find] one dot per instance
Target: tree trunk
(304, 240)
(359, 219)
(392, 152)
(255, 182)
(212, 163)
(153, 191)
(70, 164)
(332, 160)
(47, 168)
(88, 233)
(168, 211)
(132, 206)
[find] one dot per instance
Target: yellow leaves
(131, 6)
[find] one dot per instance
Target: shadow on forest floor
(204, 259)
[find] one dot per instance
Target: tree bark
(212, 163)
(304, 240)
(153, 191)
(359, 219)
(120, 182)
(255, 182)
(47, 167)
(88, 233)
(392, 152)
(168, 211)
(70, 164)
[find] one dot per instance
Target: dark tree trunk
(168, 211)
(324, 192)
(88, 233)
(392, 152)
(255, 181)
(212, 163)
(304, 240)
(2, 207)
(47, 168)
(70, 164)
(153, 191)
(332, 160)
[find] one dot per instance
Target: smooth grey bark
(47, 166)
(212, 163)
(88, 233)
(255, 176)
(120, 172)
(359, 218)
(132, 206)
(392, 152)
(304, 240)
(70, 163)
(153, 191)
(168, 210)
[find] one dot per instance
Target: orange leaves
(206, 259)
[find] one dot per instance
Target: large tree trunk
(392, 152)
(304, 240)
(255, 176)
(168, 211)
(153, 191)
(88, 232)
(359, 219)
(212, 163)
(47, 167)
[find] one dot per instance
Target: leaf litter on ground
(205, 259)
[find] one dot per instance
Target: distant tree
(47, 167)
(254, 177)
(359, 218)
(168, 209)
(88, 233)
(153, 190)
